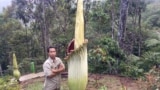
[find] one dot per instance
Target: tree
(122, 21)
(8, 27)
(113, 17)
(47, 19)
(136, 7)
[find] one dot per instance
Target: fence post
(1, 70)
(32, 67)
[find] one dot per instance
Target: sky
(4, 3)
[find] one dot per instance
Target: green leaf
(152, 42)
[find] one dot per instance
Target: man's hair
(50, 47)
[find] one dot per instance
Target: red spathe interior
(70, 46)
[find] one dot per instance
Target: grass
(38, 85)
(35, 86)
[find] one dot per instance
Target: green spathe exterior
(78, 70)
(77, 58)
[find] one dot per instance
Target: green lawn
(38, 85)
(35, 86)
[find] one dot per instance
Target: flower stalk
(77, 54)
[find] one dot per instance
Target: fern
(150, 59)
(154, 34)
(152, 42)
(133, 57)
(151, 56)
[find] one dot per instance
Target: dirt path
(112, 82)
(30, 76)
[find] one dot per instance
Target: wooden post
(1, 70)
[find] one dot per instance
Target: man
(52, 68)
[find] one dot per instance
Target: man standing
(52, 68)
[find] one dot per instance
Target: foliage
(150, 17)
(150, 59)
(9, 83)
(7, 27)
(103, 88)
(95, 61)
(131, 70)
(97, 19)
(137, 66)
(153, 41)
(106, 58)
(25, 65)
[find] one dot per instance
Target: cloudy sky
(4, 3)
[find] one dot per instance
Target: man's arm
(51, 75)
(60, 69)
(48, 72)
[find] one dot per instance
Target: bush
(109, 58)
(106, 57)
(9, 83)
(131, 70)
(25, 65)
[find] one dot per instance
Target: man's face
(52, 52)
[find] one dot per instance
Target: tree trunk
(1, 70)
(139, 24)
(45, 32)
(27, 44)
(122, 21)
(112, 15)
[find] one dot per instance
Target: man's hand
(60, 69)
(55, 70)
(52, 75)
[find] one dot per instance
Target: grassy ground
(95, 82)
(35, 86)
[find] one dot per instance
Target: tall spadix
(79, 26)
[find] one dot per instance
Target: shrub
(9, 83)
(106, 57)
